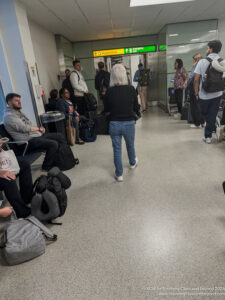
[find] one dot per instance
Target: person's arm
(196, 85)
(197, 76)
(18, 125)
(185, 76)
(136, 77)
(136, 104)
(76, 84)
(106, 102)
(6, 211)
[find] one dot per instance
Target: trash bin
(54, 121)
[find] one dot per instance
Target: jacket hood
(219, 66)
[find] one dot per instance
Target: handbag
(70, 132)
(8, 162)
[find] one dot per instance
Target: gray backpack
(25, 239)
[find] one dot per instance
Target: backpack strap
(210, 60)
(77, 75)
(48, 233)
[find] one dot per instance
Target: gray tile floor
(161, 230)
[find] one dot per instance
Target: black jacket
(102, 79)
(122, 103)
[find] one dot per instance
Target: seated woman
(17, 199)
(66, 106)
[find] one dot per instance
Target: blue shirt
(201, 69)
(137, 77)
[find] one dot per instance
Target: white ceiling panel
(94, 19)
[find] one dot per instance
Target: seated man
(21, 129)
(18, 199)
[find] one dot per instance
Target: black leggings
(19, 199)
(179, 99)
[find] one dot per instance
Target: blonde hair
(118, 75)
(197, 57)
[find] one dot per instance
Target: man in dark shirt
(67, 84)
(102, 80)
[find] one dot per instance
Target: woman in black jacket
(122, 103)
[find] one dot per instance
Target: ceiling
(82, 20)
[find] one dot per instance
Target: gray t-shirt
(201, 69)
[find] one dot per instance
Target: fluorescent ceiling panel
(155, 2)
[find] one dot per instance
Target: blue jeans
(209, 110)
(117, 130)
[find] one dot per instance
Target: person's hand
(7, 175)
(42, 130)
(185, 85)
(77, 119)
(6, 211)
(197, 97)
(86, 92)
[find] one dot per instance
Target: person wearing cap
(18, 199)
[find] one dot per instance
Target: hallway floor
(161, 230)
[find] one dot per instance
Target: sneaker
(207, 140)
(177, 116)
(134, 166)
(193, 126)
(119, 178)
(220, 133)
(80, 142)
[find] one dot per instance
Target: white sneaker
(177, 116)
(193, 126)
(134, 166)
(207, 140)
(220, 133)
(119, 178)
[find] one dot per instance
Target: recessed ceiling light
(194, 40)
(173, 34)
(212, 31)
(181, 46)
(155, 2)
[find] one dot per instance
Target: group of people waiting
(204, 101)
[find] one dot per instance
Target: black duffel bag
(64, 158)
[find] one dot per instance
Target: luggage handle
(47, 232)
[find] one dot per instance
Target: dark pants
(209, 110)
(81, 107)
(19, 199)
(195, 111)
(76, 126)
(49, 142)
(179, 99)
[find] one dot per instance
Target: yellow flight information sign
(110, 52)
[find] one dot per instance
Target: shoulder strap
(48, 233)
(77, 74)
(220, 59)
(209, 59)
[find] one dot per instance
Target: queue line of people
(205, 93)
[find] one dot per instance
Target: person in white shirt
(209, 101)
(79, 86)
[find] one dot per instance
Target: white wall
(29, 53)
(221, 31)
(46, 56)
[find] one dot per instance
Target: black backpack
(49, 199)
(213, 80)
(144, 77)
(90, 102)
(67, 85)
(64, 158)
